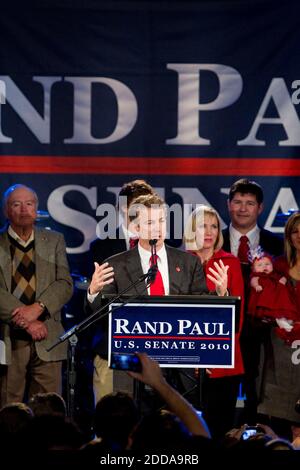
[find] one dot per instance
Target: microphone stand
(71, 334)
(154, 266)
(150, 275)
(71, 371)
(95, 316)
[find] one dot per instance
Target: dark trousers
(254, 335)
(219, 403)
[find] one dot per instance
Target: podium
(180, 332)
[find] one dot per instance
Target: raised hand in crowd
(151, 374)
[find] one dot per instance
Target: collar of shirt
(162, 263)
(16, 237)
(235, 235)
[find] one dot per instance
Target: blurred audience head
(116, 415)
(51, 432)
(47, 404)
(279, 444)
(13, 417)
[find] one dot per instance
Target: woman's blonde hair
(290, 250)
(195, 219)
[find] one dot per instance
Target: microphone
(154, 268)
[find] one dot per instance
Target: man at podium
(176, 272)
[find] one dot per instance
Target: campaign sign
(175, 334)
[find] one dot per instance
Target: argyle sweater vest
(23, 282)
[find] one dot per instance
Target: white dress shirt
(16, 237)
(235, 235)
(162, 263)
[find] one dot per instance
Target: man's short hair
(245, 186)
(149, 201)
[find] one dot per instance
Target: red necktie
(157, 286)
(133, 241)
(243, 249)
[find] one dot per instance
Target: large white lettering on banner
(107, 214)
(190, 107)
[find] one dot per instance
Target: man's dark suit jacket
(271, 243)
(102, 249)
(185, 277)
(99, 251)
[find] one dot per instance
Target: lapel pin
(178, 269)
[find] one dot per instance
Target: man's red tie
(133, 241)
(157, 286)
(243, 249)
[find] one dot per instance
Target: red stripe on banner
(150, 165)
(210, 338)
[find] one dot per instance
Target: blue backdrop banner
(188, 95)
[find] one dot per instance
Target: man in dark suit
(245, 204)
(178, 272)
(243, 236)
(103, 248)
